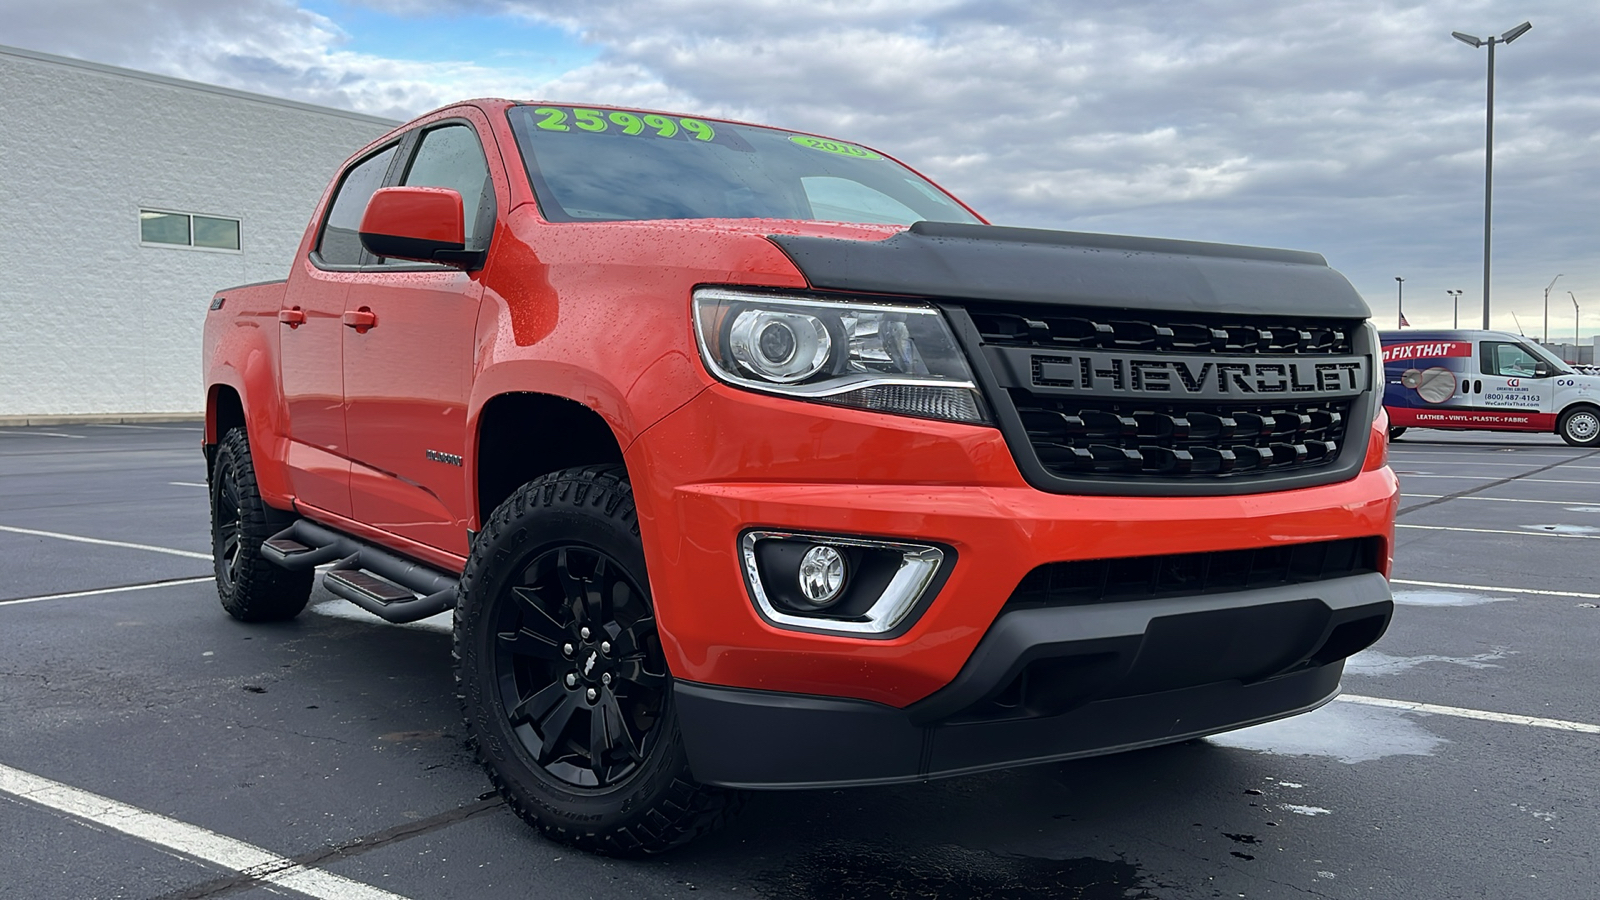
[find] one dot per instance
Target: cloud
(268, 46)
(1349, 127)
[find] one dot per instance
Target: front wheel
(562, 679)
(1580, 426)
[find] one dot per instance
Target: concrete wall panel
(90, 320)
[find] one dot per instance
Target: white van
(1485, 381)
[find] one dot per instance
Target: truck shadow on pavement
(1065, 830)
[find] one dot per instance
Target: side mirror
(421, 223)
(1542, 370)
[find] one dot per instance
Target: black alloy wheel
(562, 679)
(581, 675)
(251, 587)
(227, 526)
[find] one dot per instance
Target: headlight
(893, 358)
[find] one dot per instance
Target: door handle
(361, 319)
(293, 317)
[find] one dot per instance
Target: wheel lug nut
(584, 632)
(606, 678)
(605, 646)
(567, 649)
(591, 694)
(572, 679)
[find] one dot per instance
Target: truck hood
(1062, 268)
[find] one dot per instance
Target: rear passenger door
(408, 374)
(311, 338)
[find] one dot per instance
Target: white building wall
(91, 322)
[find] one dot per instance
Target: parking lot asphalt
(152, 747)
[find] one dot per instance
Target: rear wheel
(251, 588)
(1395, 431)
(1580, 426)
(563, 681)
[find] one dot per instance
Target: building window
(174, 229)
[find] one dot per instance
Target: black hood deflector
(950, 261)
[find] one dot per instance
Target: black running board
(390, 587)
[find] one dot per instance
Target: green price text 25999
(652, 125)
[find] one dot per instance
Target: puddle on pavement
(850, 871)
(1564, 529)
(1343, 731)
(344, 609)
(1444, 598)
(1376, 662)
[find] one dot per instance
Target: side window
(340, 244)
(1507, 360)
(451, 157)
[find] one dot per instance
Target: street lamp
(1574, 321)
(1546, 338)
(1400, 299)
(1455, 308)
(1488, 145)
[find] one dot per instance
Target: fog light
(822, 575)
(844, 584)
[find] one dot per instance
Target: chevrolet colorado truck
(751, 459)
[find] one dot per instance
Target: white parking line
(1496, 590)
(1576, 453)
(111, 590)
(1520, 500)
(1482, 465)
(1482, 715)
(89, 540)
(1477, 499)
(75, 437)
(189, 840)
(1550, 534)
(1462, 477)
(189, 483)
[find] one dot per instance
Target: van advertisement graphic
(1439, 383)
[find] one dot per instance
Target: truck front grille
(1090, 581)
(1079, 437)
(1108, 330)
(1156, 398)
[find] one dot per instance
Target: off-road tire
(251, 587)
(1580, 426)
(575, 514)
(1395, 431)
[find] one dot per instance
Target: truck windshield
(615, 165)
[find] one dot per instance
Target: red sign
(1486, 419)
(1426, 350)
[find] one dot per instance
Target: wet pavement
(333, 742)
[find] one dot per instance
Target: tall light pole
(1455, 308)
(1574, 321)
(1400, 299)
(1488, 145)
(1546, 338)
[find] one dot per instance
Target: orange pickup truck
(750, 459)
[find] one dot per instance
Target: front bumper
(730, 461)
(1052, 684)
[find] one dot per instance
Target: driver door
(1512, 379)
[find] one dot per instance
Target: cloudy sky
(1351, 128)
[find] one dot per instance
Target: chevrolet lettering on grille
(1174, 377)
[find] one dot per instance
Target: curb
(102, 419)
